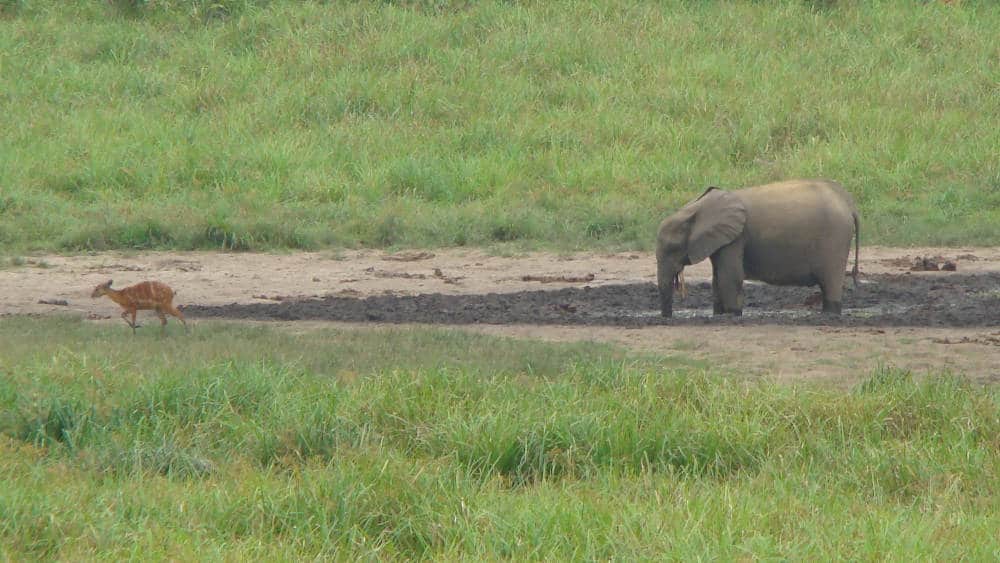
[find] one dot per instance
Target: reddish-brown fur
(147, 295)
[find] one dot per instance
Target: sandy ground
(211, 278)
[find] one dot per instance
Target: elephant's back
(798, 203)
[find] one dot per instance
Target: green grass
(244, 442)
(244, 124)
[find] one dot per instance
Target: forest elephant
(787, 233)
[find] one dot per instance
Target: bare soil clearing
(901, 314)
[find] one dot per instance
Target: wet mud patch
(923, 300)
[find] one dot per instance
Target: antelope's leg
(163, 320)
(177, 313)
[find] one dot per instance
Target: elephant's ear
(718, 219)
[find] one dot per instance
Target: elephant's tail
(857, 245)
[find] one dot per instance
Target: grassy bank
(247, 125)
(248, 442)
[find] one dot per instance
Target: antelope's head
(102, 289)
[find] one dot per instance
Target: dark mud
(925, 300)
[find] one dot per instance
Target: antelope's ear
(719, 218)
(107, 283)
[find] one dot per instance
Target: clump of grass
(10, 7)
(141, 460)
(252, 442)
(14, 262)
(21, 261)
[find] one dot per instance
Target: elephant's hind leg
(831, 307)
(832, 287)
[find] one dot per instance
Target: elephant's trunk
(679, 284)
(665, 276)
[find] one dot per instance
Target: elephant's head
(694, 233)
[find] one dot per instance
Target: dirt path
(924, 321)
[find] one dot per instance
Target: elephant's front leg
(717, 308)
(727, 279)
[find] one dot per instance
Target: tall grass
(251, 124)
(243, 442)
